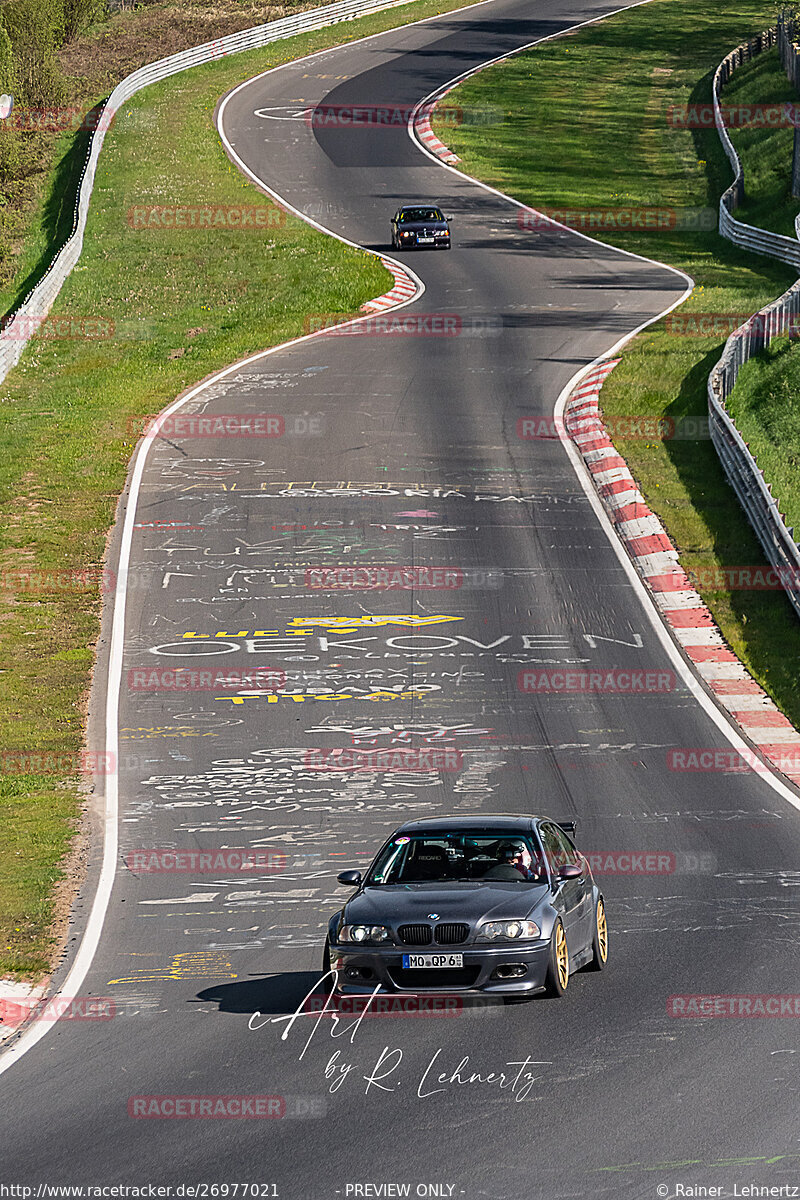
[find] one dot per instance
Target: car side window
(552, 847)
(568, 854)
(558, 848)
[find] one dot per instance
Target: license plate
(425, 241)
(432, 960)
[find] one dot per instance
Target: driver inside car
(514, 861)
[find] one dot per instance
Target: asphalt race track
(413, 459)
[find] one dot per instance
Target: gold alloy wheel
(602, 931)
(562, 957)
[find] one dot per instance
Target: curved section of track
(401, 449)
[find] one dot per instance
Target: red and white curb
(658, 562)
(404, 288)
(422, 129)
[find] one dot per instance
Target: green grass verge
(766, 153)
(586, 126)
(766, 407)
(184, 303)
(40, 167)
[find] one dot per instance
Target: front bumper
(412, 243)
(485, 971)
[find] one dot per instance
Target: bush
(36, 32)
(79, 14)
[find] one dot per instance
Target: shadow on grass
(58, 213)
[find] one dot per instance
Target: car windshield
(491, 855)
(420, 214)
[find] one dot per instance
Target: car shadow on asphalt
(267, 994)
(295, 990)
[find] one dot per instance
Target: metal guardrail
(34, 308)
(780, 317)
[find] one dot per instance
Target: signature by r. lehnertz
(517, 1078)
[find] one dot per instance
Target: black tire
(557, 977)
(326, 956)
(599, 959)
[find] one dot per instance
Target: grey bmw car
(502, 905)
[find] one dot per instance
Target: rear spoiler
(567, 826)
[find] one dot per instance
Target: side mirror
(349, 878)
(449, 218)
(570, 871)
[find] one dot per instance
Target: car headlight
(441, 233)
(407, 233)
(493, 931)
(363, 933)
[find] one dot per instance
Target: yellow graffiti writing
(303, 626)
(299, 697)
(201, 964)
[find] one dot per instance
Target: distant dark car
(484, 904)
(420, 225)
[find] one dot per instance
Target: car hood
(394, 904)
(417, 226)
